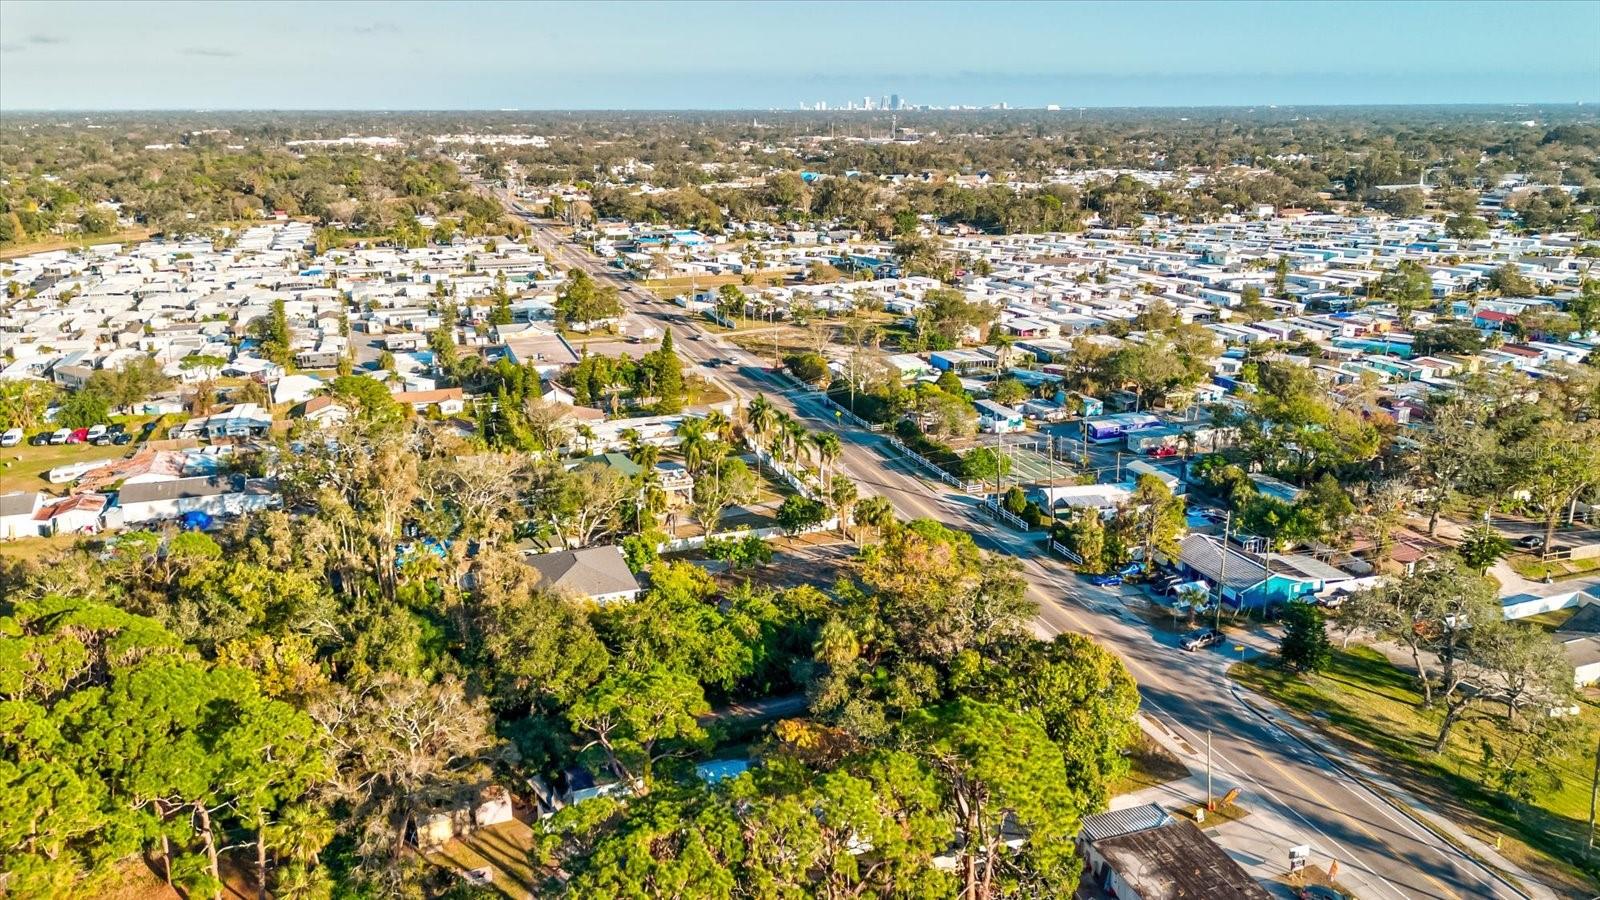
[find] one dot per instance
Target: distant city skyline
(314, 55)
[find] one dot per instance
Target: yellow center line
(1143, 674)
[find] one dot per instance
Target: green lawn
(1532, 568)
(1150, 764)
(26, 468)
(1371, 706)
(36, 549)
(502, 848)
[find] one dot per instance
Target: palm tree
(587, 434)
(827, 447)
(719, 425)
(876, 513)
(841, 496)
(760, 416)
(692, 443)
(645, 456)
(796, 437)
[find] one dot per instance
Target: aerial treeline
(59, 185)
(280, 703)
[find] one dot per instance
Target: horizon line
(966, 108)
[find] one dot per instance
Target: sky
(63, 54)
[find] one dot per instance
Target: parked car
(1166, 584)
(116, 428)
(1213, 515)
(11, 438)
(1162, 452)
(122, 439)
(1531, 541)
(1197, 640)
(42, 439)
(59, 436)
(1110, 580)
(94, 432)
(78, 436)
(149, 427)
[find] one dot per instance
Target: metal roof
(1116, 822)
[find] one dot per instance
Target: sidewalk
(1260, 841)
(1396, 797)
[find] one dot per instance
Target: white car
(11, 438)
(95, 431)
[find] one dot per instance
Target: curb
(1388, 799)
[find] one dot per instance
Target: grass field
(35, 549)
(26, 468)
(1150, 765)
(1368, 704)
(503, 849)
(76, 241)
(1534, 569)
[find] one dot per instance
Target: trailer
(1107, 429)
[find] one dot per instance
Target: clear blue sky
(419, 55)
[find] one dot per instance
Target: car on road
(1161, 452)
(1111, 580)
(1198, 640)
(148, 428)
(11, 438)
(712, 363)
(1531, 541)
(1212, 515)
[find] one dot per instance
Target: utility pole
(1594, 795)
(1222, 567)
(1208, 769)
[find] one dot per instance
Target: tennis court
(1031, 462)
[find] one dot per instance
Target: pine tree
(1305, 638)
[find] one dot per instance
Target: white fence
(852, 418)
(695, 542)
(795, 480)
(1062, 549)
(971, 487)
(1007, 515)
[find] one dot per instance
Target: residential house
(78, 514)
(324, 411)
(17, 514)
(600, 574)
(1257, 580)
(996, 418)
(448, 401)
(214, 495)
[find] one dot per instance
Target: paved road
(1381, 852)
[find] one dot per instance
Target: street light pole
(1208, 770)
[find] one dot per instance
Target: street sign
(1299, 857)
